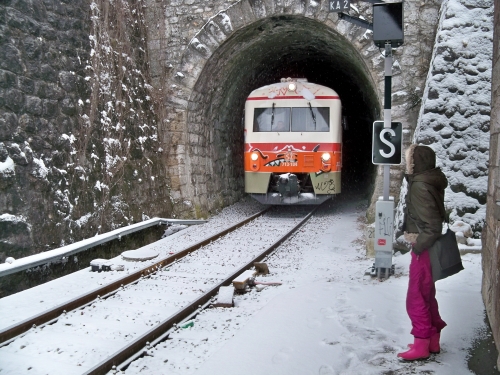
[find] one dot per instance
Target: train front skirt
(286, 190)
(303, 198)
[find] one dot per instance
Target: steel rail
(141, 343)
(17, 329)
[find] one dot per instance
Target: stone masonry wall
(491, 231)
(79, 147)
(42, 44)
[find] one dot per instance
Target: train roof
(304, 89)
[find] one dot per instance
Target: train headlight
(325, 157)
(254, 156)
(292, 86)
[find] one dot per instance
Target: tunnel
(260, 54)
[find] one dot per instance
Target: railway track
(49, 315)
(103, 332)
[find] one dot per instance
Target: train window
(271, 119)
(311, 119)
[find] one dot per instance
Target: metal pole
(387, 111)
(385, 209)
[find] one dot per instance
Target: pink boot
(419, 350)
(434, 343)
(434, 346)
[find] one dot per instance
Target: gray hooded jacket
(426, 184)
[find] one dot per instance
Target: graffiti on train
(326, 186)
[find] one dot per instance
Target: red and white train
(293, 143)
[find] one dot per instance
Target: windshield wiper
(312, 114)
(272, 117)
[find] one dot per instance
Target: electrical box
(388, 24)
(384, 224)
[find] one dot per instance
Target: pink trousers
(421, 303)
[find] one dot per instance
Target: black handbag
(444, 253)
(445, 256)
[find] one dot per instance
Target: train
(293, 143)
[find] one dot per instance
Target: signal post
(388, 33)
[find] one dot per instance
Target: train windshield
(271, 119)
(311, 119)
(296, 119)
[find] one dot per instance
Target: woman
(423, 225)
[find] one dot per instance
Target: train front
(293, 143)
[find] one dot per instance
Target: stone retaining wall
(42, 44)
(79, 147)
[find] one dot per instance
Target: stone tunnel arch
(225, 62)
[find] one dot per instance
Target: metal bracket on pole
(356, 21)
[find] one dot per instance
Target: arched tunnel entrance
(262, 53)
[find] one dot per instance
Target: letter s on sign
(385, 141)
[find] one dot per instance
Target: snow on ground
(327, 317)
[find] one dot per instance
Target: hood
(420, 159)
(434, 177)
(421, 167)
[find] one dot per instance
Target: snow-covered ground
(327, 317)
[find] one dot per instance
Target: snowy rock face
(455, 114)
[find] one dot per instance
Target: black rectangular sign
(388, 24)
(339, 5)
(387, 143)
